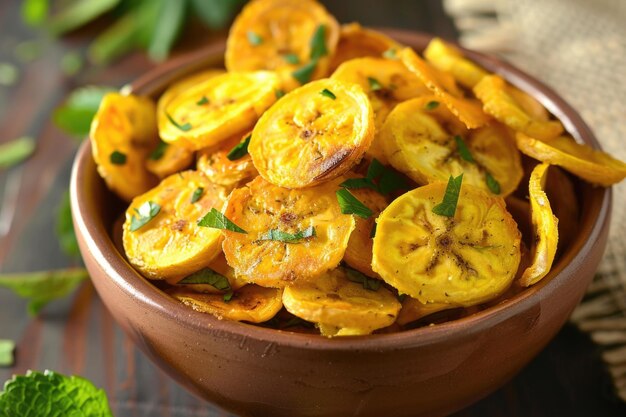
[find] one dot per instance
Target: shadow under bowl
(256, 371)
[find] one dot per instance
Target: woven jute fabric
(577, 47)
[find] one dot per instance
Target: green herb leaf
(158, 152)
(463, 149)
(228, 296)
(169, 25)
(278, 235)
(390, 53)
(374, 84)
(292, 59)
(123, 34)
(327, 93)
(65, 227)
(185, 128)
(217, 220)
(349, 204)
(34, 12)
(391, 181)
(117, 158)
(197, 194)
(368, 283)
(75, 115)
(216, 13)
(240, 150)
(42, 287)
(492, 184)
(207, 276)
(353, 183)
(379, 178)
(49, 392)
(431, 105)
(254, 39)
(304, 73)
(447, 207)
(6, 352)
(16, 151)
(202, 101)
(76, 13)
(375, 169)
(318, 43)
(279, 93)
(146, 212)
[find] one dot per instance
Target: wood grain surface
(78, 336)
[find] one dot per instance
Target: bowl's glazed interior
(252, 370)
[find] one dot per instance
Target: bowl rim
(114, 265)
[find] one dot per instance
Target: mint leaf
(375, 170)
(45, 394)
(44, 286)
(278, 235)
(240, 150)
(463, 149)
(305, 72)
(197, 194)
(368, 283)
(75, 115)
(207, 276)
(16, 151)
(146, 212)
(217, 220)
(349, 204)
(391, 181)
(6, 353)
(492, 183)
(447, 207)
(65, 227)
(379, 178)
(327, 93)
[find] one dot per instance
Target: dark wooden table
(78, 336)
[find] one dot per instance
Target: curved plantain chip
(313, 134)
(283, 36)
(592, 165)
(123, 133)
(443, 86)
(446, 57)
(545, 229)
(413, 309)
(183, 85)
(220, 169)
(220, 267)
(501, 101)
(165, 160)
(213, 110)
(334, 301)
(462, 260)
(170, 244)
(250, 303)
(417, 143)
(356, 41)
(265, 211)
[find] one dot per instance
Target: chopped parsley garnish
(292, 59)
(204, 100)
(254, 38)
(209, 277)
(217, 220)
(375, 85)
(352, 183)
(492, 184)
(228, 296)
(240, 150)
(447, 207)
(117, 158)
(146, 212)
(378, 178)
(327, 93)
(463, 149)
(318, 43)
(349, 204)
(279, 93)
(305, 72)
(390, 53)
(431, 105)
(197, 194)
(185, 127)
(368, 283)
(158, 152)
(278, 235)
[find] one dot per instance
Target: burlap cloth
(578, 47)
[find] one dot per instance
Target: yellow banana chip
(545, 229)
(250, 303)
(166, 160)
(282, 35)
(500, 101)
(356, 41)
(161, 237)
(446, 57)
(334, 300)
(416, 143)
(292, 235)
(443, 86)
(183, 85)
(313, 134)
(216, 165)
(220, 266)
(594, 166)
(462, 260)
(413, 309)
(123, 133)
(215, 109)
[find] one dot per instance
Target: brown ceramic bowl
(255, 371)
